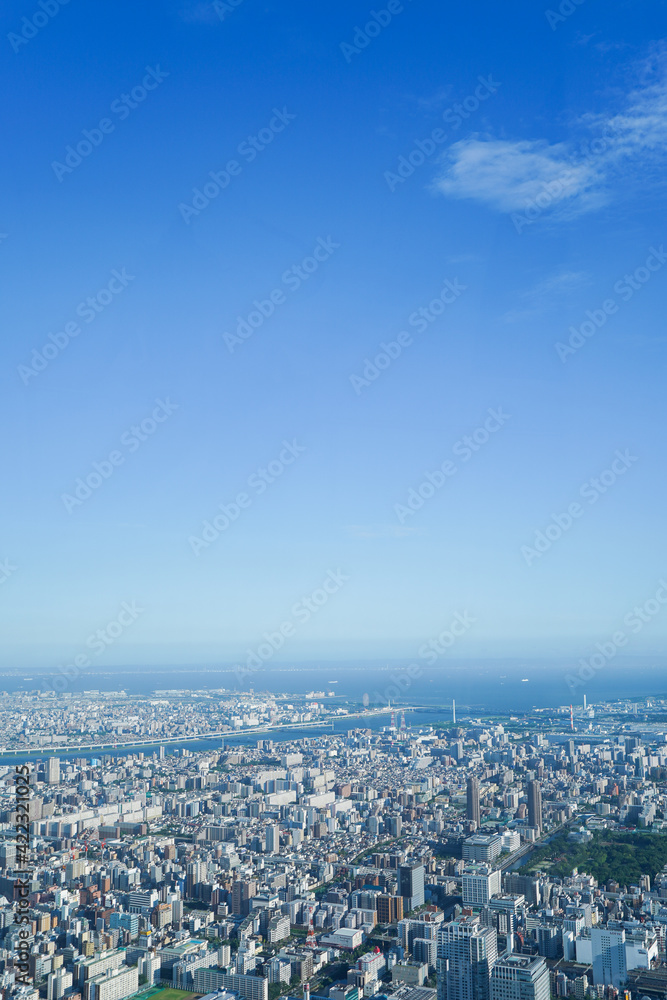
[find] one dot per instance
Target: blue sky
(533, 201)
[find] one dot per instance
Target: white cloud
(509, 175)
(642, 126)
(566, 178)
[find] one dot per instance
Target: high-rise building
(549, 940)
(535, 805)
(123, 983)
(53, 771)
(609, 962)
(394, 825)
(389, 909)
(520, 977)
(7, 854)
(480, 882)
(472, 809)
(97, 966)
(272, 838)
(482, 848)
(242, 892)
(57, 982)
(467, 953)
(411, 885)
(196, 872)
(74, 869)
(424, 951)
(410, 929)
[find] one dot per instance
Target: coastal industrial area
(469, 859)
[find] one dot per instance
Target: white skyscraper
(467, 953)
(272, 839)
(609, 965)
(57, 982)
(480, 883)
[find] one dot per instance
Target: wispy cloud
(641, 127)
(558, 283)
(568, 178)
(435, 101)
(509, 175)
(541, 298)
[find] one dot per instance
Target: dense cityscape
(476, 859)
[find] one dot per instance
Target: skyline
(412, 343)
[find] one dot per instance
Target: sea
(485, 685)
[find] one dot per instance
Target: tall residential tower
(535, 805)
(467, 953)
(472, 807)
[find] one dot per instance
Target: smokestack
(453, 711)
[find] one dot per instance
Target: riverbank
(374, 720)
